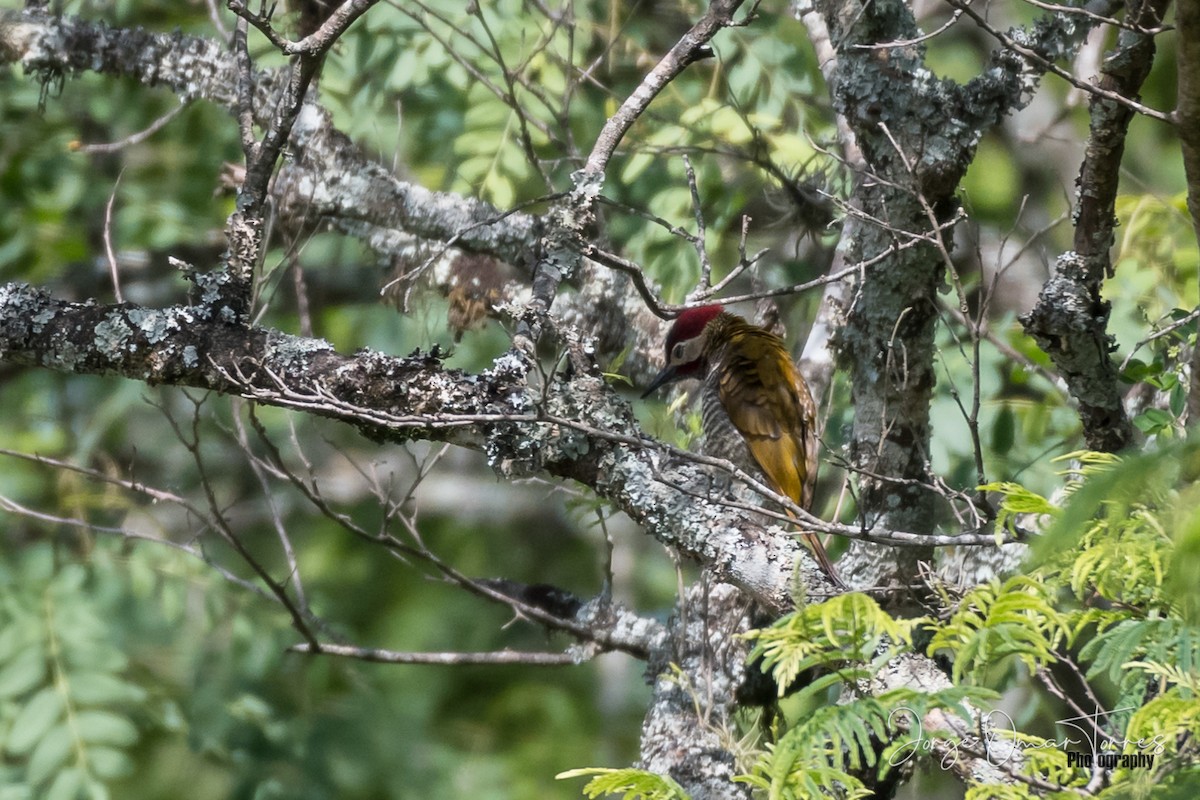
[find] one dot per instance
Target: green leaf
(105, 727)
(98, 791)
(67, 785)
(631, 784)
(41, 712)
(109, 763)
(1004, 430)
(1139, 370)
(1153, 420)
(11, 642)
(1018, 499)
(635, 166)
(103, 688)
(1177, 400)
(23, 673)
(835, 634)
(50, 754)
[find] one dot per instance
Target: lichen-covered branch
(580, 429)
(245, 227)
(997, 760)
(390, 398)
(1124, 71)
(328, 177)
(193, 67)
(1070, 319)
(917, 134)
(698, 674)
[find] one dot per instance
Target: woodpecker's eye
(677, 352)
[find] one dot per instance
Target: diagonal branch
(689, 48)
(579, 429)
(1042, 60)
(1069, 321)
(328, 177)
(1124, 71)
(392, 399)
(442, 659)
(316, 43)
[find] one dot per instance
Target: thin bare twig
(135, 138)
(472, 69)
(701, 228)
(13, 507)
(441, 659)
(510, 96)
(281, 532)
(915, 40)
(418, 551)
(690, 47)
(668, 310)
(1043, 63)
(1166, 330)
(300, 618)
(1099, 19)
(744, 262)
(316, 43)
(113, 272)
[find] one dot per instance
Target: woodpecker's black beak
(669, 374)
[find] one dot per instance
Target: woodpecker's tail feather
(818, 550)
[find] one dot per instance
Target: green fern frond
(811, 760)
(822, 754)
(1156, 639)
(631, 784)
(1110, 539)
(1162, 723)
(65, 703)
(1095, 620)
(838, 633)
(819, 782)
(1017, 501)
(1107, 489)
(999, 791)
(1043, 758)
(994, 621)
(1120, 557)
(1091, 464)
(1188, 680)
(1127, 564)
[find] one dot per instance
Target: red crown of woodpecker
(690, 323)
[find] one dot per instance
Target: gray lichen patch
(113, 336)
(42, 318)
(155, 326)
(294, 352)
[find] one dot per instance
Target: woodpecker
(756, 409)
